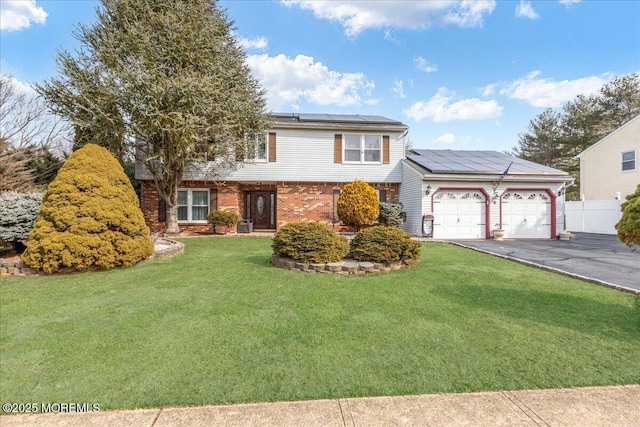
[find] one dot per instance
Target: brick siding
(295, 201)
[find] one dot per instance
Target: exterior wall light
(428, 190)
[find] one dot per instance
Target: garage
(526, 214)
(459, 214)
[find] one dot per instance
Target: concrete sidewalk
(589, 406)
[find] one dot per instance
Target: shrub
(384, 245)
(222, 219)
(310, 242)
(391, 213)
(17, 213)
(629, 225)
(358, 204)
(89, 217)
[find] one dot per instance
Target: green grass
(220, 325)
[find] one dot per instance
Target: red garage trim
(551, 194)
(487, 205)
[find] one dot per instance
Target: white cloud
(260, 43)
(525, 10)
(290, 80)
(541, 92)
(357, 16)
(488, 90)
(446, 138)
(19, 86)
(470, 13)
(424, 65)
(16, 15)
(398, 89)
(440, 108)
(569, 2)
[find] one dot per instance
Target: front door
(262, 209)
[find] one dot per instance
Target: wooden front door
(262, 210)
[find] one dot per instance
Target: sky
(461, 74)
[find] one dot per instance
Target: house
(296, 173)
(610, 166)
(459, 194)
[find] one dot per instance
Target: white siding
(308, 155)
(412, 196)
(416, 203)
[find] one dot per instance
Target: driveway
(597, 257)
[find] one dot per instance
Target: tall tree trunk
(172, 210)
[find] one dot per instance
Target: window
(256, 147)
(362, 148)
(193, 205)
(629, 161)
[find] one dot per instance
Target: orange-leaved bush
(89, 217)
(358, 204)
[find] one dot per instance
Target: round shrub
(628, 227)
(89, 217)
(17, 213)
(358, 204)
(310, 242)
(384, 245)
(222, 219)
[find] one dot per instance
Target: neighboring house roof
(335, 121)
(467, 162)
(631, 122)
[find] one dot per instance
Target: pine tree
(164, 79)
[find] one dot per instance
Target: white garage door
(459, 215)
(526, 215)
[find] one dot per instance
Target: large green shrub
(358, 204)
(384, 245)
(17, 213)
(629, 225)
(309, 242)
(222, 219)
(89, 217)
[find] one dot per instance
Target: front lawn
(220, 325)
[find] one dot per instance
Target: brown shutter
(382, 195)
(162, 210)
(272, 147)
(337, 149)
(385, 149)
(213, 200)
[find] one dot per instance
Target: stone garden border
(345, 267)
(163, 248)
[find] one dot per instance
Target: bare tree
(32, 140)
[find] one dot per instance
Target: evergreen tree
(89, 217)
(555, 138)
(629, 225)
(358, 204)
(165, 79)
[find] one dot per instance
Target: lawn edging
(344, 267)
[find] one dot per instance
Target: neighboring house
(466, 195)
(296, 174)
(610, 166)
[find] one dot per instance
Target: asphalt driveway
(597, 257)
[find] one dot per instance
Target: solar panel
(476, 162)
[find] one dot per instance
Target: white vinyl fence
(595, 216)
